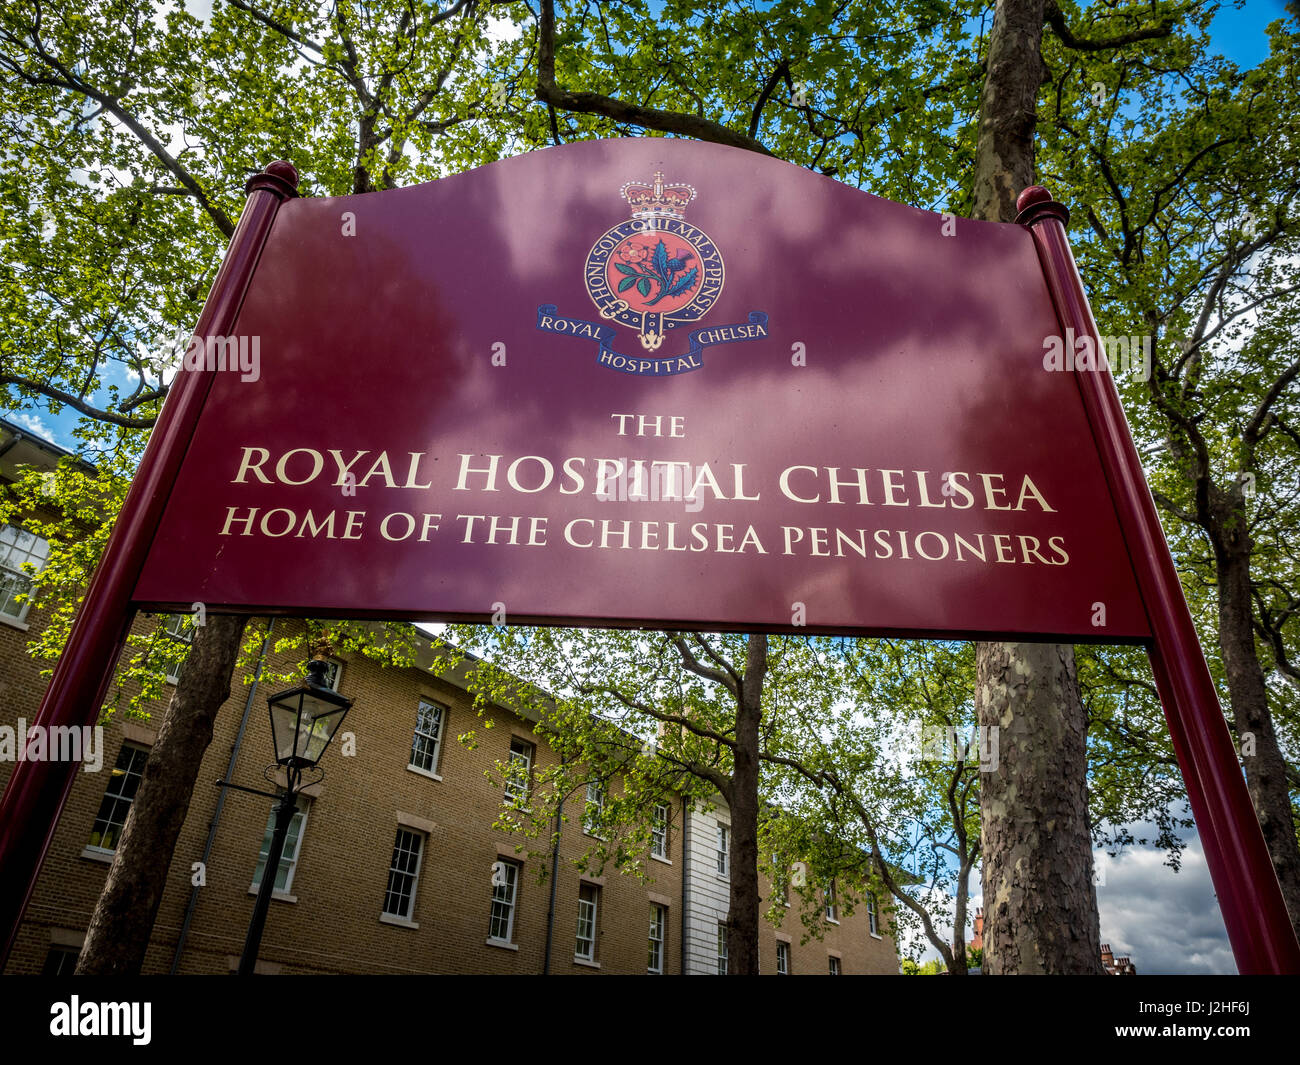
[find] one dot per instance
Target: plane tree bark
(122, 923)
(1040, 902)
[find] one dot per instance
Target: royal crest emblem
(654, 273)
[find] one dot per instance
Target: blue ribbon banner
(650, 364)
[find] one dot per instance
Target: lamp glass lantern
(304, 719)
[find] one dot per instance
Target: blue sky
(1240, 34)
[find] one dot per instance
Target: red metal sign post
(1245, 882)
(37, 790)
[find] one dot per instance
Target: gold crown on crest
(657, 200)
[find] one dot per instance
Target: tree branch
(769, 86)
(700, 669)
(672, 719)
(68, 80)
(78, 404)
(592, 103)
(1056, 19)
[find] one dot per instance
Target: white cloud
(32, 423)
(200, 9)
(1166, 922)
(1163, 921)
(502, 29)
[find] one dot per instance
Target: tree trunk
(1039, 900)
(743, 917)
(122, 923)
(958, 966)
(1265, 769)
(1040, 905)
(1004, 150)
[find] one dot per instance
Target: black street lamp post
(284, 812)
(303, 721)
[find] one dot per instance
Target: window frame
(833, 966)
(588, 899)
(524, 787)
(723, 960)
(591, 826)
(134, 748)
(873, 914)
(831, 902)
(659, 829)
(335, 667)
(422, 839)
(431, 740)
(185, 637)
(781, 879)
(782, 958)
(513, 873)
(658, 947)
(723, 850)
(60, 960)
(300, 817)
(29, 555)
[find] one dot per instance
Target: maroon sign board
(657, 382)
(454, 410)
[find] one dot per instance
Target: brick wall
(329, 919)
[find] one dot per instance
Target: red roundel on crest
(654, 271)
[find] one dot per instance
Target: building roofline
(16, 434)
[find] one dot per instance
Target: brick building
(393, 864)
(1116, 966)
